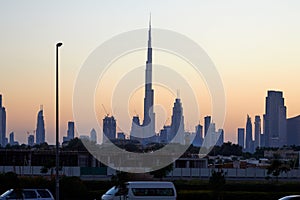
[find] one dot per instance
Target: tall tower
(207, 121)
(177, 124)
(40, 127)
(249, 135)
(257, 131)
(275, 120)
(109, 128)
(149, 116)
(71, 130)
(2, 124)
(241, 137)
(93, 135)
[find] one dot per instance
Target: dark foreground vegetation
(217, 188)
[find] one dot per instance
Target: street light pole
(57, 127)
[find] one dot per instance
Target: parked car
(139, 190)
(291, 197)
(28, 194)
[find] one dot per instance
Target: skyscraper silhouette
(177, 124)
(198, 140)
(257, 131)
(149, 116)
(2, 124)
(71, 128)
(109, 128)
(207, 121)
(40, 127)
(93, 135)
(249, 139)
(275, 120)
(241, 137)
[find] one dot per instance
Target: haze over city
(253, 44)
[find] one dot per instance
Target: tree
(163, 172)
(217, 182)
(277, 167)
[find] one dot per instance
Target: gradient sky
(254, 44)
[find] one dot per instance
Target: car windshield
(6, 193)
(44, 193)
(112, 191)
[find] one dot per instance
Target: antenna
(41, 107)
(178, 93)
(107, 114)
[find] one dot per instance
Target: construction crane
(107, 114)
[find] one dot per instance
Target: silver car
(28, 194)
(292, 197)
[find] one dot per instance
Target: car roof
(147, 184)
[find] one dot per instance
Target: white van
(28, 194)
(140, 190)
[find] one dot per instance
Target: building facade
(2, 124)
(257, 131)
(241, 137)
(109, 128)
(40, 128)
(275, 120)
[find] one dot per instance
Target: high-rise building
(198, 139)
(71, 130)
(177, 124)
(257, 131)
(40, 127)
(241, 137)
(165, 135)
(12, 138)
(293, 131)
(109, 128)
(2, 124)
(249, 140)
(220, 139)
(121, 136)
(93, 135)
(149, 115)
(275, 120)
(30, 140)
(207, 121)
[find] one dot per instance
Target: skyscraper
(109, 128)
(70, 132)
(2, 124)
(71, 128)
(12, 138)
(31, 140)
(257, 131)
(177, 124)
(275, 120)
(93, 135)
(241, 137)
(149, 115)
(198, 139)
(293, 131)
(207, 121)
(40, 127)
(249, 135)
(220, 139)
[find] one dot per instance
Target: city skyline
(254, 49)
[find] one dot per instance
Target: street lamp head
(59, 44)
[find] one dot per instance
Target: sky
(253, 44)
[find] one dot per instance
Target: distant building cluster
(174, 133)
(278, 130)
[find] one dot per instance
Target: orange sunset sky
(255, 46)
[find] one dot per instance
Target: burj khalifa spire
(149, 116)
